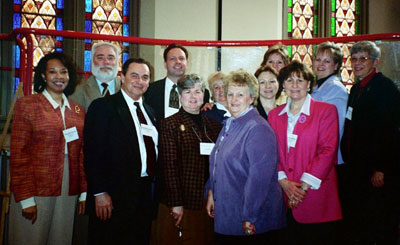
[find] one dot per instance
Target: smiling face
(136, 80)
(362, 64)
(269, 85)
(192, 99)
(105, 63)
(276, 61)
(296, 87)
(56, 76)
(239, 99)
(218, 92)
(176, 63)
(324, 65)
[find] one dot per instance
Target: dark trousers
(128, 225)
(270, 237)
(309, 234)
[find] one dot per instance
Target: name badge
(349, 112)
(151, 131)
(206, 148)
(292, 139)
(70, 134)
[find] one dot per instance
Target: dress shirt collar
(129, 100)
(231, 119)
(53, 103)
(223, 108)
(110, 87)
(305, 108)
(168, 84)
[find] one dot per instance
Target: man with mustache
(162, 95)
(104, 80)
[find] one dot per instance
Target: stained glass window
(109, 17)
(302, 23)
(345, 21)
(44, 14)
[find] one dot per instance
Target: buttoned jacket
(184, 170)
(88, 90)
(315, 153)
(38, 148)
(244, 177)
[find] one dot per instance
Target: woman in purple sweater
(244, 197)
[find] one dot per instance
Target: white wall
(198, 20)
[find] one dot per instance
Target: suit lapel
(126, 117)
(93, 88)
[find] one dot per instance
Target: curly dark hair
(40, 69)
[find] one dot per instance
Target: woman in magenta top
(307, 134)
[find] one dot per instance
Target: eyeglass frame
(362, 59)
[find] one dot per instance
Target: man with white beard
(104, 80)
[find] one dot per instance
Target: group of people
(156, 162)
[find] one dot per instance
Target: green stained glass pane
(289, 49)
(315, 24)
(333, 5)
(290, 3)
(358, 7)
(290, 22)
(333, 27)
(358, 27)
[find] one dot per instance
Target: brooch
(77, 109)
(302, 119)
(182, 127)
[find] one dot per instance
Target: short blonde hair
(242, 78)
(213, 77)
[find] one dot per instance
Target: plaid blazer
(184, 171)
(38, 148)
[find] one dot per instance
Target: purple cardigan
(244, 177)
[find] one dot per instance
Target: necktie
(173, 98)
(148, 142)
(105, 92)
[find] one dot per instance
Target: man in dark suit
(120, 153)
(162, 95)
(370, 147)
(104, 80)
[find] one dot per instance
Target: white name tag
(151, 131)
(206, 148)
(292, 139)
(349, 112)
(70, 134)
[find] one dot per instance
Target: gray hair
(242, 78)
(117, 50)
(188, 82)
(367, 46)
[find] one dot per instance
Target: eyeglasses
(362, 59)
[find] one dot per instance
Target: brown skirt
(197, 228)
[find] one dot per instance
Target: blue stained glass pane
(88, 26)
(17, 21)
(17, 56)
(125, 57)
(88, 6)
(60, 4)
(125, 11)
(125, 31)
(59, 49)
(16, 84)
(86, 66)
(60, 25)
(17, 1)
(88, 40)
(60, 39)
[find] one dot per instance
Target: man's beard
(105, 76)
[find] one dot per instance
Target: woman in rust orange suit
(46, 164)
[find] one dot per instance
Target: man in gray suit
(104, 80)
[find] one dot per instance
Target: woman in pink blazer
(307, 132)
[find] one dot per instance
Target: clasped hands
(295, 191)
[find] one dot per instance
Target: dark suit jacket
(112, 156)
(184, 170)
(372, 143)
(216, 114)
(154, 97)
